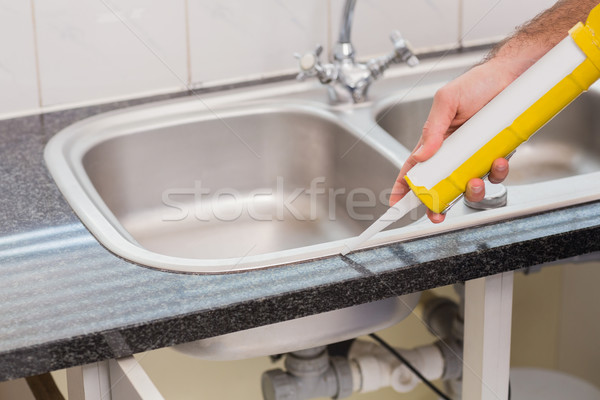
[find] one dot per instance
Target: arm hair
(535, 38)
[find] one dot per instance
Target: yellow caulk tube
(510, 119)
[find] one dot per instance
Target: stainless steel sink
(261, 177)
(265, 176)
(182, 187)
(251, 181)
(178, 186)
(567, 146)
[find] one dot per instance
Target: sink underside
(262, 177)
(303, 333)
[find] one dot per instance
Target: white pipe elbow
(376, 367)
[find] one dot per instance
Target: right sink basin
(569, 145)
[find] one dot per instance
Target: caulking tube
(510, 119)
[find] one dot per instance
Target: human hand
(460, 99)
(452, 106)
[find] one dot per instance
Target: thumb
(443, 111)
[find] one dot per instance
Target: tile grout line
(187, 42)
(329, 31)
(461, 16)
(36, 55)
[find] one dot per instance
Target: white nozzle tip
(349, 246)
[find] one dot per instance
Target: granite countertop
(65, 300)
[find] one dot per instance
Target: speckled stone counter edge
(370, 287)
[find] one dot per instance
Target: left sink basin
(180, 187)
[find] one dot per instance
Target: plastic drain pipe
(312, 373)
(378, 368)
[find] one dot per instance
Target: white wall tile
(424, 23)
(18, 83)
(87, 53)
(232, 39)
(491, 19)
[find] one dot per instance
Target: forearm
(534, 39)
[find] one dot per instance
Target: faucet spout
(346, 24)
(348, 80)
(343, 49)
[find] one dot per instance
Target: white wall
(18, 82)
(71, 52)
(485, 19)
(578, 349)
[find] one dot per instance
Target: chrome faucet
(346, 79)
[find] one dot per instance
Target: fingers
(435, 218)
(499, 170)
(443, 111)
(476, 187)
(431, 142)
(399, 190)
(400, 186)
(475, 190)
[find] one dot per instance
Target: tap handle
(403, 49)
(310, 64)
